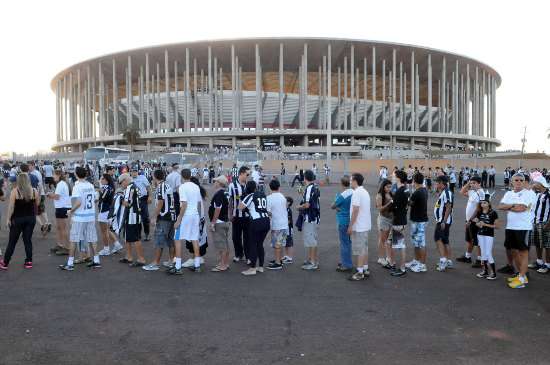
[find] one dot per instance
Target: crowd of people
(242, 212)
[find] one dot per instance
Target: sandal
(124, 260)
(219, 269)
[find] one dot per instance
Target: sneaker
(3, 265)
(248, 262)
(151, 267)
(201, 259)
(389, 267)
(341, 268)
(260, 269)
(467, 260)
(420, 267)
(306, 264)
(411, 264)
(116, 248)
(174, 271)
(311, 267)
(543, 270)
(188, 264)
(195, 269)
(249, 272)
(506, 269)
(441, 267)
(94, 265)
(237, 259)
(449, 264)
(66, 267)
(398, 273)
(476, 265)
(512, 278)
(493, 276)
(146, 239)
(535, 265)
(167, 264)
(517, 284)
(105, 251)
(287, 260)
(274, 266)
(27, 265)
(358, 276)
(382, 261)
(482, 275)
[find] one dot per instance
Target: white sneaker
(189, 263)
(201, 260)
(151, 267)
(117, 247)
(382, 261)
(105, 251)
(167, 264)
(251, 271)
(441, 266)
(419, 267)
(260, 269)
(449, 264)
(287, 260)
(411, 264)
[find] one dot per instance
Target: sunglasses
(518, 180)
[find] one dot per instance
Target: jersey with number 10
(84, 192)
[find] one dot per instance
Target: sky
(41, 38)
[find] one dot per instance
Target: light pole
(523, 140)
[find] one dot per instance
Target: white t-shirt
(514, 220)
(64, 201)
(474, 196)
(276, 205)
(48, 170)
(85, 193)
(191, 194)
(361, 198)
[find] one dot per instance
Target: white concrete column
(429, 93)
(115, 100)
(258, 89)
(373, 89)
(328, 102)
(352, 87)
(233, 102)
(176, 97)
(413, 88)
(169, 124)
(129, 101)
(365, 123)
(394, 91)
(384, 101)
(209, 86)
(187, 123)
(305, 76)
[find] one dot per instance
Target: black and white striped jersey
(165, 194)
(234, 173)
(442, 205)
(257, 205)
(236, 193)
(542, 208)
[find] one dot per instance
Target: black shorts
(202, 249)
(442, 234)
(132, 232)
(61, 213)
(471, 233)
(516, 239)
(506, 181)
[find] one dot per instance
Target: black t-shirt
(400, 205)
(219, 200)
(487, 218)
(419, 205)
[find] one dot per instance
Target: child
(289, 248)
(486, 220)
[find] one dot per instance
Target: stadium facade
(306, 95)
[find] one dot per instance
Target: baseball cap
(221, 179)
(540, 180)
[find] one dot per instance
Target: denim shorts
(418, 234)
(278, 238)
(164, 234)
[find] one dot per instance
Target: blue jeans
(345, 246)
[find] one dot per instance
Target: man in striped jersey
(234, 172)
(443, 213)
(540, 235)
(237, 191)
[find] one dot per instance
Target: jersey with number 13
(84, 192)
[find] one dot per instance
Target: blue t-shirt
(343, 202)
(34, 181)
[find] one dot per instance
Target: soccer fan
(145, 199)
(342, 205)
(256, 204)
(82, 214)
(517, 205)
(131, 222)
(384, 201)
(540, 235)
(105, 203)
(187, 224)
(359, 226)
(237, 191)
(311, 210)
(164, 217)
(419, 218)
(473, 191)
(486, 221)
(62, 204)
(399, 222)
(443, 210)
(276, 207)
(219, 222)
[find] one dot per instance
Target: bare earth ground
(127, 316)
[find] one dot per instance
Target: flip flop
(125, 261)
(218, 269)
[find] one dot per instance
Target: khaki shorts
(384, 223)
(359, 243)
(309, 232)
(221, 236)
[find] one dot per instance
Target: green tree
(131, 136)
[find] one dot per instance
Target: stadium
(301, 95)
